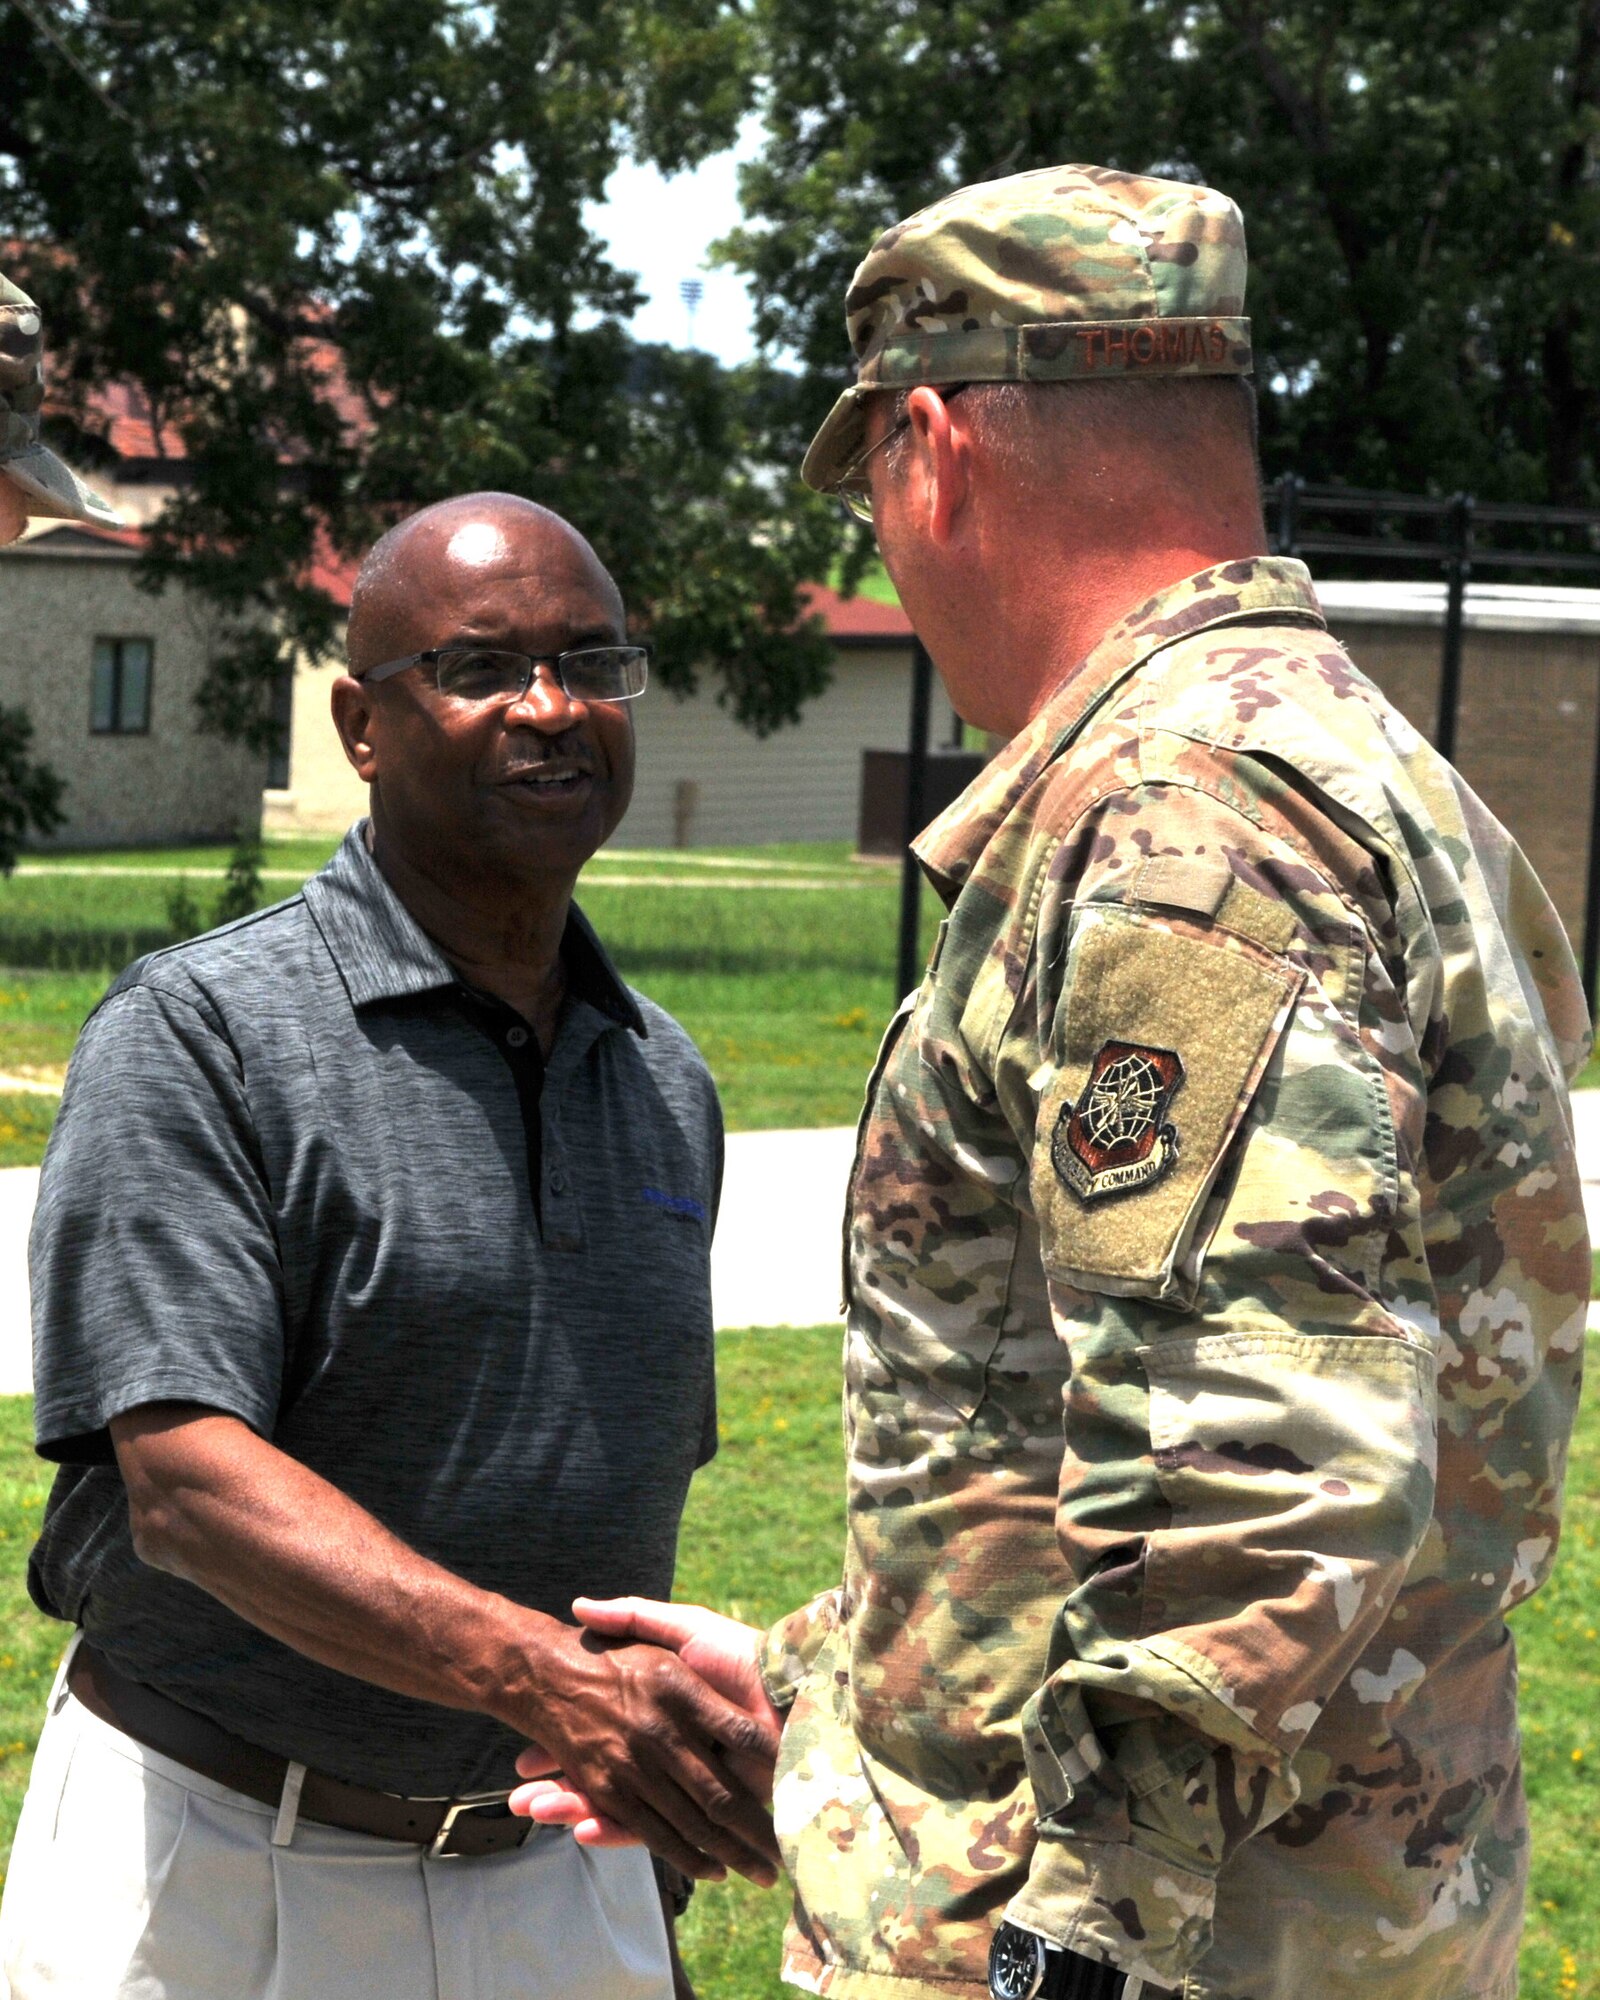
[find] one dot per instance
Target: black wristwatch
(1023, 1966)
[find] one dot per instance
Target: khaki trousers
(133, 1878)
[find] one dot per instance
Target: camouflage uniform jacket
(1216, 1279)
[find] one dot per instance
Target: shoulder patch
(1116, 1137)
(1165, 1041)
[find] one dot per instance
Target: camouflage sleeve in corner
(1228, 1121)
(789, 1648)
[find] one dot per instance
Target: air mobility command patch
(1115, 1138)
(1165, 1038)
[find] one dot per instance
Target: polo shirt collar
(382, 953)
(592, 977)
(1269, 588)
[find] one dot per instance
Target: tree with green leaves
(341, 251)
(1420, 183)
(30, 792)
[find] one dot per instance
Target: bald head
(482, 796)
(454, 556)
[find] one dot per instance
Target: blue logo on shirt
(675, 1204)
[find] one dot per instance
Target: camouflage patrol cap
(1065, 274)
(48, 487)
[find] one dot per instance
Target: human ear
(353, 717)
(943, 461)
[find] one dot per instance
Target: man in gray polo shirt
(372, 1324)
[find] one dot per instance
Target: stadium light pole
(691, 291)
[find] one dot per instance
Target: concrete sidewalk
(776, 1258)
(778, 1252)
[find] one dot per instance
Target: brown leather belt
(466, 1826)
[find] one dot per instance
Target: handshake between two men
(701, 1805)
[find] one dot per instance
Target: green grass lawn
(29, 1645)
(784, 985)
(1557, 1634)
(25, 1121)
(40, 1015)
(764, 1530)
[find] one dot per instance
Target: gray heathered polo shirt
(290, 1180)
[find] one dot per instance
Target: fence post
(1458, 565)
(1288, 485)
(907, 967)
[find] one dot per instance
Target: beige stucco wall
(170, 785)
(800, 783)
(323, 794)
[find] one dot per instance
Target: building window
(119, 687)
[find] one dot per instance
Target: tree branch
(1569, 401)
(370, 181)
(1310, 126)
(73, 61)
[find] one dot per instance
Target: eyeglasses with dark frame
(485, 673)
(853, 488)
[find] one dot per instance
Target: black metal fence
(1351, 532)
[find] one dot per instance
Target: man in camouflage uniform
(1217, 1263)
(33, 481)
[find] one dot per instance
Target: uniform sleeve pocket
(1298, 1469)
(1165, 1039)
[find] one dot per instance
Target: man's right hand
(720, 1650)
(654, 1751)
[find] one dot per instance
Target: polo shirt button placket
(563, 1229)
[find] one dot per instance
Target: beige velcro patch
(1203, 885)
(1220, 1008)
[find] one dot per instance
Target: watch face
(1016, 1964)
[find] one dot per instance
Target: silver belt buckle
(438, 1847)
